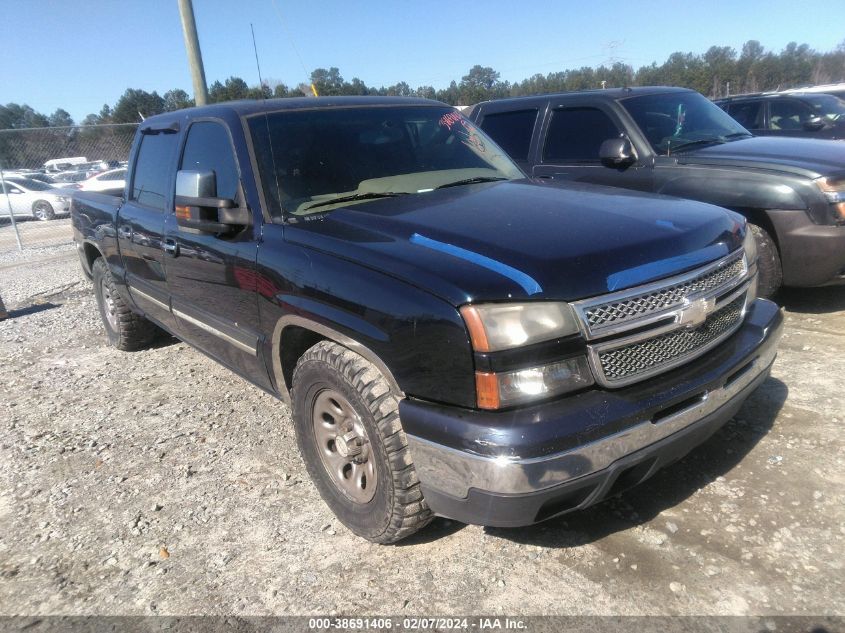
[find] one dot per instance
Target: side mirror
(814, 123)
(199, 208)
(617, 152)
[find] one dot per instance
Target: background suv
(796, 114)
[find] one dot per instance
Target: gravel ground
(34, 233)
(158, 482)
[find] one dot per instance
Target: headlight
(494, 327)
(834, 190)
(495, 391)
(749, 244)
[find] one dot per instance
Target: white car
(32, 199)
(112, 179)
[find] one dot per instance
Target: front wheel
(770, 273)
(43, 210)
(349, 434)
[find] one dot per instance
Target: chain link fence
(40, 168)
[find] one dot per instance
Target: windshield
(310, 158)
(827, 106)
(673, 120)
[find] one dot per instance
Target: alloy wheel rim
(344, 446)
(108, 305)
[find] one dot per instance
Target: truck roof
(248, 107)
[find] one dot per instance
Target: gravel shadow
(33, 309)
(822, 300)
(670, 486)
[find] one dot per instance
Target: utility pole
(192, 46)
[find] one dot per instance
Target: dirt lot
(158, 482)
(34, 233)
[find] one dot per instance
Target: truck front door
(211, 277)
(569, 147)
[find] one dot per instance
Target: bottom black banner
(533, 624)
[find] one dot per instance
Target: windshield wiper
(358, 196)
(471, 181)
(738, 135)
(703, 141)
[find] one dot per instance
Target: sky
(81, 55)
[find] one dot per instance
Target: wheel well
(295, 341)
(760, 217)
(37, 202)
(91, 255)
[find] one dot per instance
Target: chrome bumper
(455, 472)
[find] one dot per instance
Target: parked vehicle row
(33, 198)
(454, 338)
(44, 196)
(676, 142)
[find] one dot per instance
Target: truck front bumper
(811, 254)
(519, 467)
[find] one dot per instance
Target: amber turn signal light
(487, 390)
(477, 333)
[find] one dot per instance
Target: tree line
(721, 70)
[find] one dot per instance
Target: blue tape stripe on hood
(665, 267)
(528, 283)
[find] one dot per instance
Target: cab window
(512, 131)
(152, 170)
(208, 148)
(576, 134)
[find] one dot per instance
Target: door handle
(124, 232)
(170, 246)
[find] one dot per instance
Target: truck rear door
(141, 219)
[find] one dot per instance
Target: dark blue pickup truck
(453, 338)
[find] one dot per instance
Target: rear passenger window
(512, 131)
(208, 148)
(576, 134)
(747, 114)
(152, 170)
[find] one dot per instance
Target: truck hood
(523, 239)
(804, 156)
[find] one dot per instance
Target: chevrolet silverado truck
(673, 141)
(453, 339)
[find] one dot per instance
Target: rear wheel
(770, 273)
(355, 451)
(43, 210)
(126, 330)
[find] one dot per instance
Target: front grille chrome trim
(594, 352)
(586, 308)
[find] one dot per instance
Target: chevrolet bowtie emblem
(694, 313)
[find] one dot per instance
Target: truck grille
(643, 331)
(630, 362)
(604, 315)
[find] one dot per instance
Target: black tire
(126, 330)
(770, 273)
(43, 210)
(397, 508)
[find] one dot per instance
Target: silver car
(32, 199)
